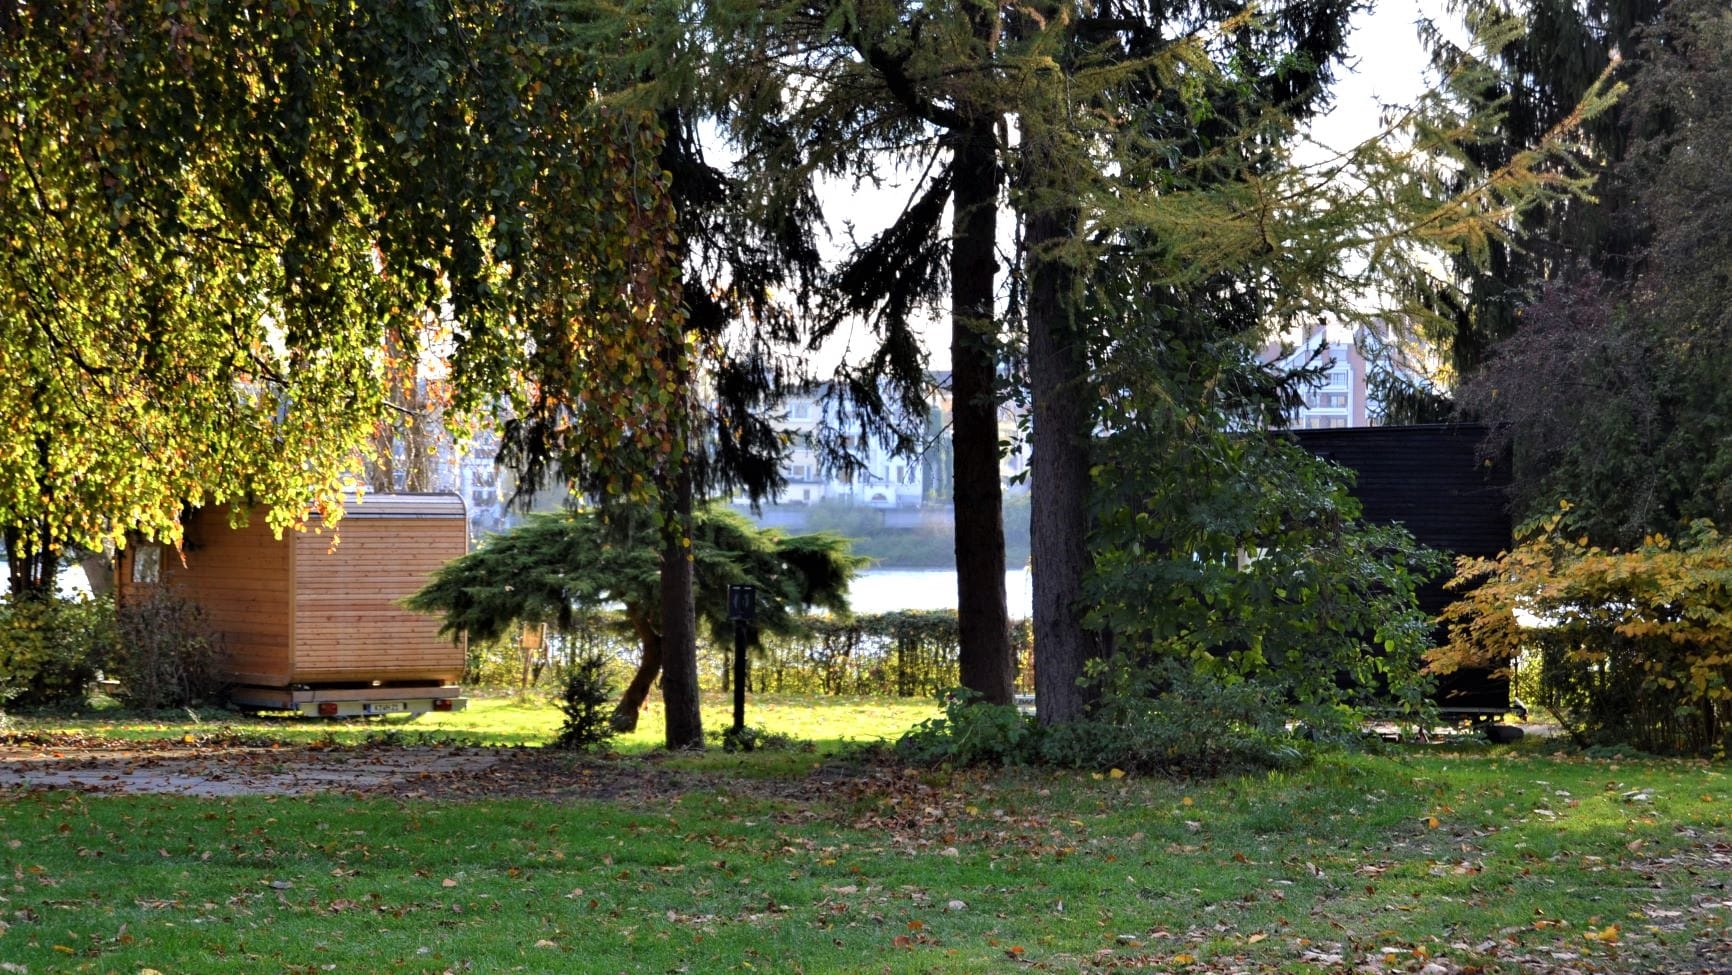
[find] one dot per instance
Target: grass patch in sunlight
(828, 722)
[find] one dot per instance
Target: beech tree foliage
(216, 211)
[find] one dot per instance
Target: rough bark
(1059, 469)
(631, 700)
(685, 727)
(32, 563)
(986, 660)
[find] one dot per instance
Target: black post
(742, 608)
(740, 675)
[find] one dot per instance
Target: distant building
(883, 479)
(1349, 359)
(880, 479)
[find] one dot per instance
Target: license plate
(383, 707)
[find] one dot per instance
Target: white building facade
(1348, 358)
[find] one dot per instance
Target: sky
(1387, 64)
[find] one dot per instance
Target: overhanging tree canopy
(214, 214)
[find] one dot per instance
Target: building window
(147, 565)
(1332, 401)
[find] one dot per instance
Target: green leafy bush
(1181, 722)
(750, 739)
(1245, 562)
(1194, 727)
(166, 653)
(585, 704)
(972, 732)
(50, 649)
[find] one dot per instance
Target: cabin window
(147, 565)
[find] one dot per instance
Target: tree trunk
(631, 701)
(32, 563)
(685, 727)
(1058, 386)
(983, 623)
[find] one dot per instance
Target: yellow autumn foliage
(1634, 647)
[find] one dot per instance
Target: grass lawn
(1441, 860)
(828, 722)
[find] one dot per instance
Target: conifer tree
(552, 565)
(1555, 57)
(843, 91)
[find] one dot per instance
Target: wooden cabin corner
(312, 622)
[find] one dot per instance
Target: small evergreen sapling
(588, 689)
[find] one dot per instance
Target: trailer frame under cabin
(311, 622)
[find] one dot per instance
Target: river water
(887, 590)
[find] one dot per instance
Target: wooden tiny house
(311, 621)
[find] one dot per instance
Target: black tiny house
(1432, 479)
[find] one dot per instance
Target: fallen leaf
(447, 882)
(1606, 935)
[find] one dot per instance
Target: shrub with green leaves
(165, 653)
(50, 649)
(1243, 560)
(1194, 727)
(753, 739)
(973, 732)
